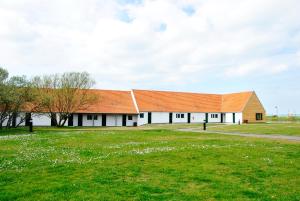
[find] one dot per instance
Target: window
(182, 115)
(129, 117)
(259, 116)
(91, 117)
(142, 115)
(214, 115)
(177, 116)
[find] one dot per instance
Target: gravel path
(271, 136)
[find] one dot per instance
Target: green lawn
(25, 130)
(137, 164)
(264, 128)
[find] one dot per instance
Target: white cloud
(232, 38)
(258, 67)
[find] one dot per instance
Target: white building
(140, 107)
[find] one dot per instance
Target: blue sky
(209, 46)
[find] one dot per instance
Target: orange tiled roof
(112, 101)
(121, 102)
(235, 102)
(166, 101)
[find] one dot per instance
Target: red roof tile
(112, 101)
(166, 101)
(235, 102)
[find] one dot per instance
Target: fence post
(30, 125)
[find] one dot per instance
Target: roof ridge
(134, 101)
(241, 92)
(188, 92)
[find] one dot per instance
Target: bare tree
(60, 95)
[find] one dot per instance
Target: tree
(3, 75)
(3, 91)
(15, 92)
(60, 95)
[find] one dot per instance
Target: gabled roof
(235, 102)
(123, 102)
(167, 101)
(111, 102)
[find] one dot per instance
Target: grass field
(25, 130)
(267, 128)
(137, 164)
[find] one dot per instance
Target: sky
(209, 46)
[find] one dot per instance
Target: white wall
(179, 120)
(142, 121)
(214, 120)
(238, 117)
(75, 120)
(197, 117)
(163, 117)
(113, 120)
(130, 122)
(228, 118)
(160, 117)
(86, 122)
(41, 119)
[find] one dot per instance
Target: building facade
(140, 107)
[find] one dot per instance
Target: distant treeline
(287, 118)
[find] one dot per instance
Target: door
(53, 119)
(206, 117)
(70, 120)
(233, 117)
(103, 119)
(222, 116)
(79, 119)
(27, 119)
(189, 118)
(170, 117)
(14, 120)
(149, 117)
(124, 120)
